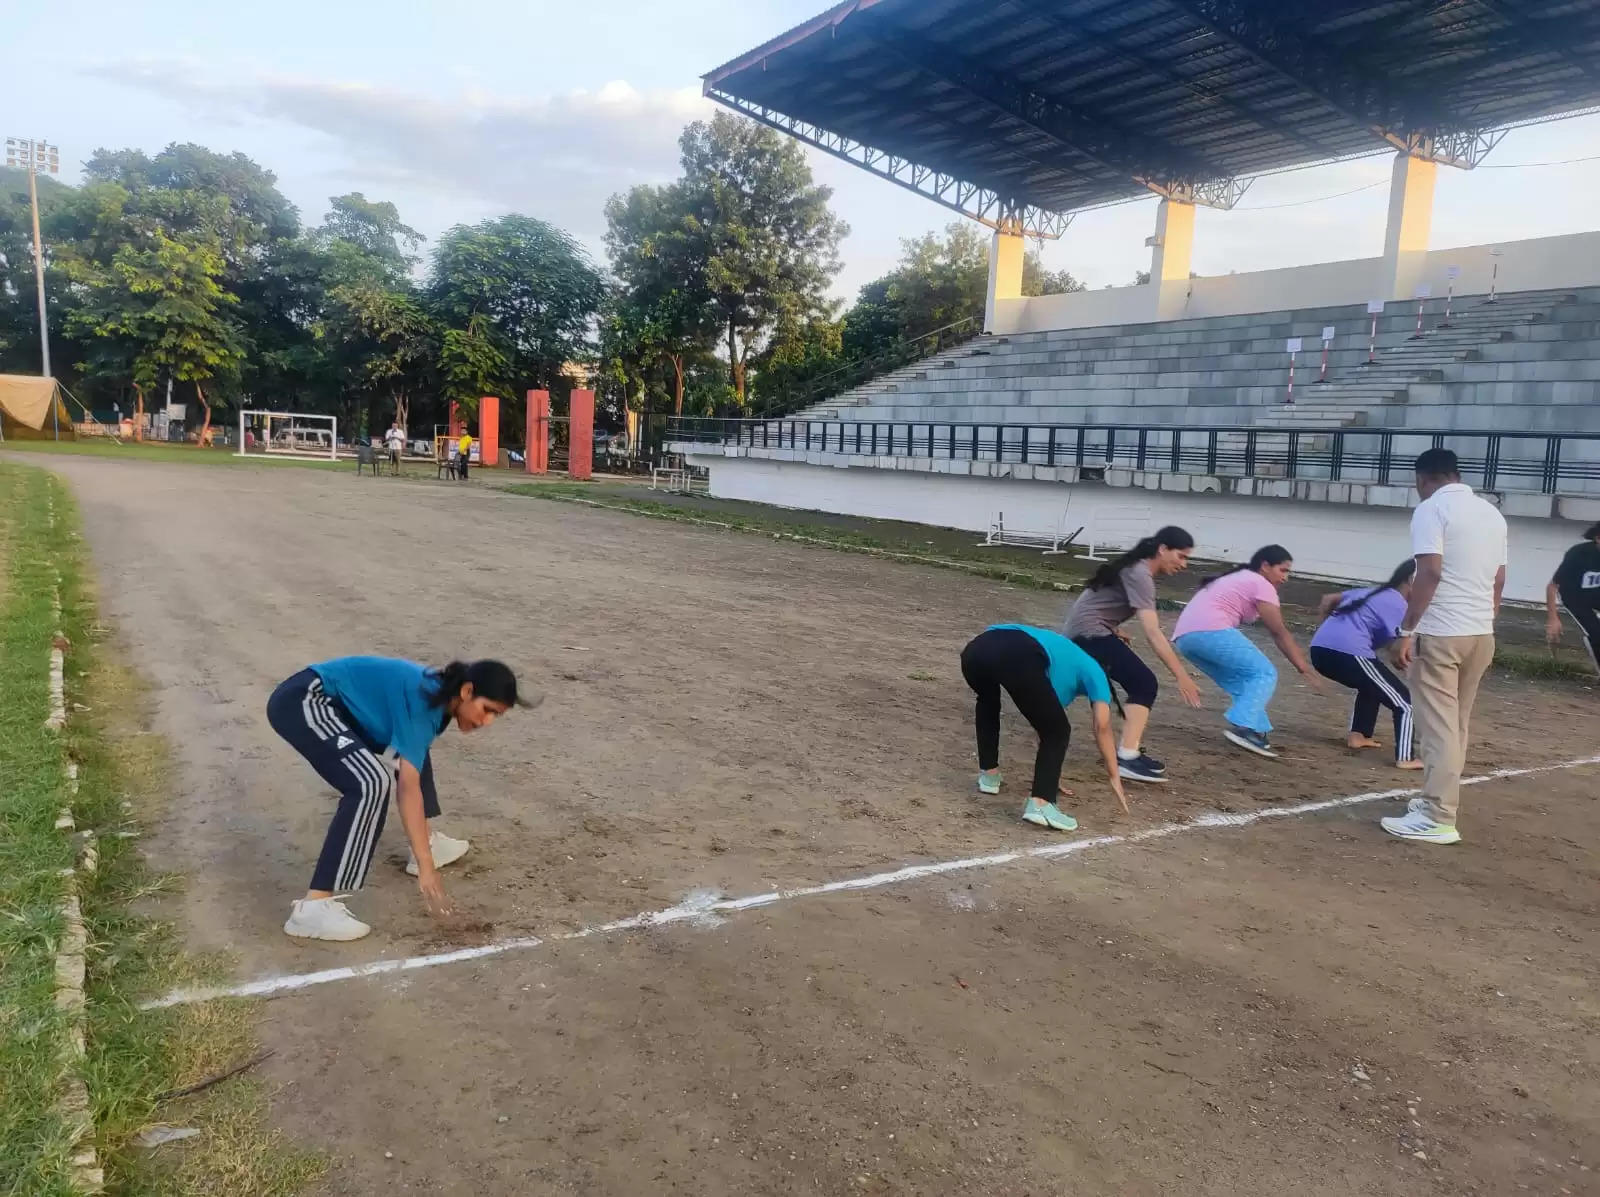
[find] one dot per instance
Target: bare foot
(1066, 792)
(1359, 742)
(1408, 764)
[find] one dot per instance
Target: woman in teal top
(1044, 673)
(345, 716)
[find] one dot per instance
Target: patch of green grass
(133, 1056)
(167, 453)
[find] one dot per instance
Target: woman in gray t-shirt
(1120, 590)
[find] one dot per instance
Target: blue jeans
(1228, 658)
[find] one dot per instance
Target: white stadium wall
(1334, 540)
(1536, 265)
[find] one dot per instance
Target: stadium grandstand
(1021, 115)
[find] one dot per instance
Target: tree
(761, 227)
(665, 303)
(515, 291)
(472, 364)
(163, 299)
(368, 235)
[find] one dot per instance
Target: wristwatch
(1406, 633)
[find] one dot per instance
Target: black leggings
(1015, 661)
(319, 728)
(1581, 609)
(1122, 666)
(1375, 687)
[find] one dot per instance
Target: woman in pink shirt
(1208, 635)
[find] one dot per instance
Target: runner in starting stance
(1208, 634)
(1120, 590)
(343, 716)
(1356, 624)
(1043, 672)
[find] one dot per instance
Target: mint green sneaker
(990, 782)
(1047, 814)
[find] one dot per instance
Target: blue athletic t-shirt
(389, 699)
(1072, 671)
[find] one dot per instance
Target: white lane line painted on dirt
(704, 907)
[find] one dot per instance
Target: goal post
(288, 434)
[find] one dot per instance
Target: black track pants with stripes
(1375, 686)
(320, 729)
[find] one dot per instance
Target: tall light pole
(34, 156)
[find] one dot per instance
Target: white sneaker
(446, 850)
(323, 918)
(1419, 825)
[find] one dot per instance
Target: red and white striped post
(1494, 277)
(1451, 273)
(1294, 345)
(1422, 302)
(1374, 309)
(1327, 340)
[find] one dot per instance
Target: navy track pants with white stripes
(318, 727)
(1375, 687)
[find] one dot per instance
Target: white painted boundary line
(708, 906)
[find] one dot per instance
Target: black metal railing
(1537, 462)
(902, 353)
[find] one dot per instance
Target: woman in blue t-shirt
(1356, 624)
(1044, 673)
(344, 716)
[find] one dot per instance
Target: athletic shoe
(445, 849)
(1142, 768)
(1047, 814)
(1250, 741)
(1419, 825)
(989, 783)
(1150, 762)
(323, 918)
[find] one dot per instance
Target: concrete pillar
(1405, 244)
(489, 430)
(536, 460)
(580, 427)
(1172, 249)
(1005, 275)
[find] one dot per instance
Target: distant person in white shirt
(395, 441)
(1447, 636)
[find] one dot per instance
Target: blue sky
(458, 111)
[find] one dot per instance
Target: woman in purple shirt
(1356, 624)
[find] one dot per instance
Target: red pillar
(489, 430)
(457, 424)
(580, 427)
(538, 456)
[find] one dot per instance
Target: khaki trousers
(1444, 679)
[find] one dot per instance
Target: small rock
(1360, 1075)
(388, 1155)
(502, 1118)
(1420, 1155)
(1519, 1090)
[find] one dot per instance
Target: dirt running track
(1302, 1005)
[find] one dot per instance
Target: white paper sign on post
(1375, 307)
(1294, 345)
(1327, 333)
(1424, 292)
(1452, 273)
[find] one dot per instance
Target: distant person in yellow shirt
(464, 454)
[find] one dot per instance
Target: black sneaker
(1141, 768)
(1250, 741)
(1151, 763)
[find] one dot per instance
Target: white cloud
(559, 157)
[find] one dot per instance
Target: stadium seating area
(1529, 362)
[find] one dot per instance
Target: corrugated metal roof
(1057, 105)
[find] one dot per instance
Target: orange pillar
(457, 424)
(580, 430)
(489, 430)
(538, 454)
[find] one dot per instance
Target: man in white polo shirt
(1447, 636)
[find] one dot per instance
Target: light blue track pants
(1228, 658)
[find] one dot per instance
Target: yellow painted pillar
(1005, 280)
(1172, 249)
(1405, 245)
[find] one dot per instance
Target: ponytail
(1110, 573)
(1272, 554)
(1403, 573)
(489, 679)
(1593, 533)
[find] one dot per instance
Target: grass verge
(1520, 651)
(170, 454)
(133, 1057)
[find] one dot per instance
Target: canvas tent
(32, 407)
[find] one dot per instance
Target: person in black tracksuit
(1356, 626)
(1577, 585)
